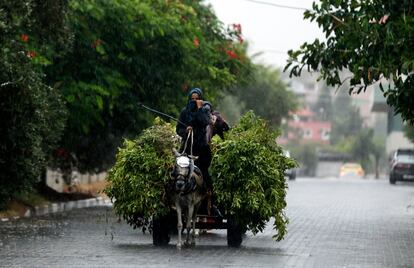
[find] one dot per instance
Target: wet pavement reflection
(333, 223)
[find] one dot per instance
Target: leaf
(100, 49)
(99, 102)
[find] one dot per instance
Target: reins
(190, 133)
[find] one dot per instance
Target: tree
(362, 147)
(129, 52)
(266, 94)
(31, 112)
(372, 39)
(323, 106)
(231, 108)
(378, 152)
(307, 156)
(346, 120)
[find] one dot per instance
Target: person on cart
(199, 117)
(196, 117)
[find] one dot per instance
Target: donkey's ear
(177, 154)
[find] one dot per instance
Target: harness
(189, 180)
(190, 186)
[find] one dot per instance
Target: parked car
(290, 173)
(402, 165)
(351, 169)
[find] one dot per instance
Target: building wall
(328, 169)
(380, 125)
(363, 101)
(395, 137)
(395, 140)
(54, 179)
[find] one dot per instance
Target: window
(307, 133)
(325, 135)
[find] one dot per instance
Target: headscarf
(196, 90)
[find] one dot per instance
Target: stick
(161, 113)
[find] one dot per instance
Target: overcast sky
(269, 29)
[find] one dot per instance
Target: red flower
(24, 38)
(31, 54)
(196, 42)
(232, 54)
(61, 152)
(237, 28)
(184, 87)
(96, 43)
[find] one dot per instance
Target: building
(394, 124)
(305, 127)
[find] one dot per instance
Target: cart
(163, 227)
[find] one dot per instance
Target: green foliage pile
(248, 175)
(32, 113)
(140, 174)
(247, 168)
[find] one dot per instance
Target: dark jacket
(199, 120)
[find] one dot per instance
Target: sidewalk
(20, 210)
(60, 207)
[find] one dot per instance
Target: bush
(31, 125)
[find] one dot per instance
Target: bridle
(188, 180)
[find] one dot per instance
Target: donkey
(188, 191)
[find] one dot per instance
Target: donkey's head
(182, 173)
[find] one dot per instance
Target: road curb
(61, 207)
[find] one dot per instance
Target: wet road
(333, 223)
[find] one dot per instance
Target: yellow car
(351, 169)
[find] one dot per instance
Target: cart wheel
(234, 233)
(160, 231)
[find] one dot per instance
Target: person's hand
(199, 103)
(189, 128)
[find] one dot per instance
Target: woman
(196, 116)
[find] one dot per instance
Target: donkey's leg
(179, 223)
(194, 218)
(188, 224)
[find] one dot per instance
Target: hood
(195, 90)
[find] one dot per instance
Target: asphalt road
(333, 223)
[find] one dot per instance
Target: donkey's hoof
(179, 246)
(189, 244)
